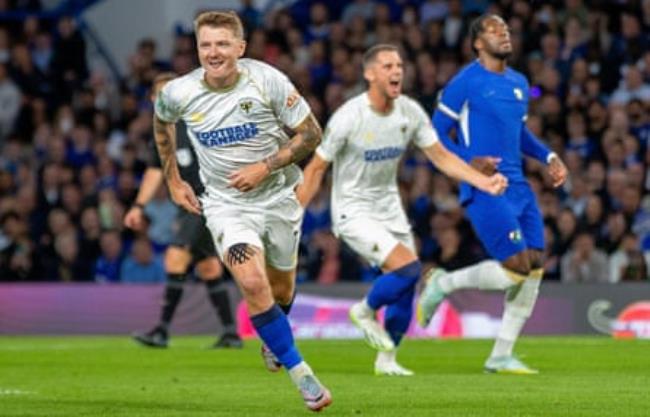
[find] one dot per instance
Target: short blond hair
(220, 19)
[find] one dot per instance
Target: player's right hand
(497, 184)
(485, 164)
(183, 195)
(133, 218)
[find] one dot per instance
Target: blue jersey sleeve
(533, 147)
(447, 114)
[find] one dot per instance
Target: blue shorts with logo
(509, 223)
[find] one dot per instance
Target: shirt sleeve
(453, 97)
(289, 106)
(533, 147)
(424, 134)
(336, 134)
(167, 108)
(447, 114)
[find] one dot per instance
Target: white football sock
(486, 275)
(386, 356)
(298, 371)
(519, 304)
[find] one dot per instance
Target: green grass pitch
(109, 376)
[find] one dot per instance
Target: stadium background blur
(74, 135)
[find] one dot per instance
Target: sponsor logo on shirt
(227, 135)
(382, 154)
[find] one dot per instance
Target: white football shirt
(365, 148)
(238, 126)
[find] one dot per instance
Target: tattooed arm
(179, 190)
(308, 136)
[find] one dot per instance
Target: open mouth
(215, 64)
(394, 83)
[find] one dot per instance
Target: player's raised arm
(456, 168)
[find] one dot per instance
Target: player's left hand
(497, 184)
(249, 177)
(557, 170)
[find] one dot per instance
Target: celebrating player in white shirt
(236, 111)
(365, 139)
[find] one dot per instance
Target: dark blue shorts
(509, 223)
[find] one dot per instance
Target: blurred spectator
(10, 100)
(15, 249)
(70, 266)
(584, 262)
(108, 265)
(162, 214)
(632, 87)
(142, 266)
(613, 232)
(250, 16)
(628, 263)
(358, 8)
(69, 59)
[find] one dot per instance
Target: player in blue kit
(487, 103)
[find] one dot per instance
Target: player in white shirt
(236, 111)
(364, 140)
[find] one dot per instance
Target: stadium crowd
(74, 141)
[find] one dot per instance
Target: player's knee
(518, 264)
(254, 286)
(209, 268)
(283, 293)
(177, 260)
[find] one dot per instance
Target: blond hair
(218, 19)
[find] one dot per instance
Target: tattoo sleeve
(165, 136)
(308, 136)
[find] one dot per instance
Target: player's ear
(242, 48)
(369, 74)
(478, 44)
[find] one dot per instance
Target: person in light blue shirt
(142, 266)
(486, 104)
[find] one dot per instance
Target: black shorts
(192, 233)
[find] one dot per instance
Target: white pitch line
(12, 391)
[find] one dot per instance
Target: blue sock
(390, 287)
(398, 316)
(273, 327)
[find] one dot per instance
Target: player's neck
(224, 83)
(493, 64)
(379, 102)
